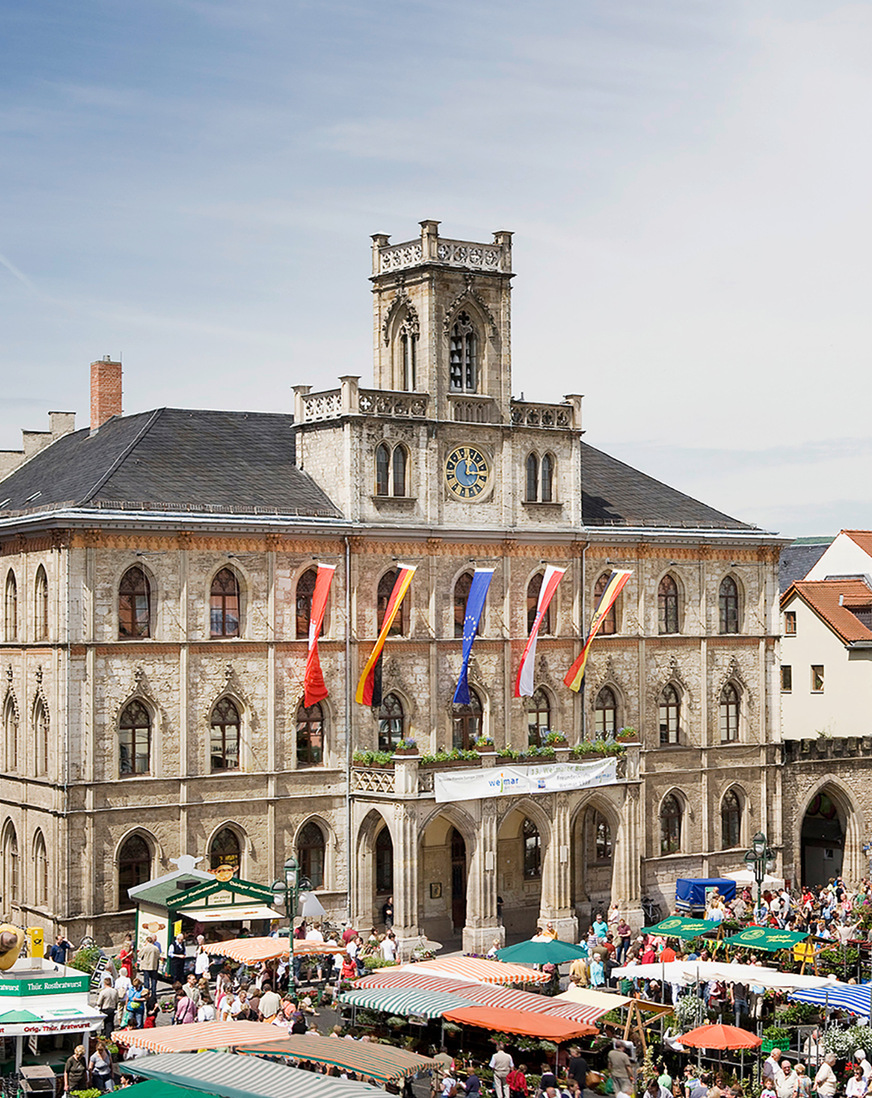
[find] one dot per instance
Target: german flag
(364, 693)
(617, 579)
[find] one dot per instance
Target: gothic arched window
(399, 463)
(134, 604)
(532, 481)
(731, 820)
(134, 740)
(11, 867)
(303, 603)
(390, 722)
(310, 736)
(224, 604)
(40, 605)
(409, 353)
(463, 365)
(609, 624)
(40, 865)
(547, 479)
(225, 849)
(385, 589)
(533, 589)
(670, 825)
(311, 848)
(461, 595)
(384, 863)
(382, 470)
(40, 735)
(602, 838)
(667, 605)
(728, 714)
(532, 841)
(670, 716)
(538, 717)
(11, 620)
(467, 722)
(605, 713)
(134, 865)
(10, 734)
(224, 736)
(728, 605)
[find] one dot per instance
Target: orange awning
(250, 951)
(481, 971)
(545, 1026)
(197, 1035)
(302, 947)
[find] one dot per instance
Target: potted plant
(555, 739)
(407, 746)
(484, 745)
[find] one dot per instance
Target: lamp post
(760, 859)
(286, 892)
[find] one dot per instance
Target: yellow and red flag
(314, 687)
(364, 693)
(617, 579)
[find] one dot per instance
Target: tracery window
(40, 735)
(224, 604)
(609, 624)
(728, 605)
(467, 720)
(391, 470)
(533, 589)
(311, 848)
(225, 849)
(532, 841)
(390, 722)
(667, 605)
(11, 619)
(605, 713)
(670, 716)
(463, 365)
(303, 603)
(40, 865)
(728, 714)
(134, 604)
(532, 467)
(11, 867)
(670, 825)
(547, 479)
(731, 820)
(310, 736)
(538, 717)
(384, 863)
(40, 606)
(385, 589)
(224, 736)
(10, 734)
(134, 740)
(398, 469)
(409, 353)
(134, 865)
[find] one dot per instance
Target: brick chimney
(105, 391)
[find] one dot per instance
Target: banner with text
(511, 781)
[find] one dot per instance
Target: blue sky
(192, 185)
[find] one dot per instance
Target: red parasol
(720, 1036)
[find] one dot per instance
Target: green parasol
(677, 927)
(553, 952)
(769, 939)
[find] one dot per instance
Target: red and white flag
(524, 681)
(314, 687)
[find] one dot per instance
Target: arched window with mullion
(134, 604)
(310, 736)
(11, 620)
(728, 605)
(11, 868)
(40, 735)
(226, 849)
(538, 710)
(533, 589)
(311, 848)
(383, 597)
(462, 356)
(728, 714)
(609, 624)
(467, 721)
(134, 740)
(667, 605)
(134, 865)
(670, 825)
(390, 722)
(224, 604)
(224, 727)
(670, 716)
(605, 713)
(303, 604)
(731, 820)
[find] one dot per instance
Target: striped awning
(480, 970)
(855, 998)
(198, 1035)
(490, 995)
(303, 947)
(544, 1026)
(403, 1001)
(250, 951)
(381, 1063)
(230, 1076)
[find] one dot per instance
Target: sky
(192, 184)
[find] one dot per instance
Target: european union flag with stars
(481, 578)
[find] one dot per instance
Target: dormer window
(463, 356)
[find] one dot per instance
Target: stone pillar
(556, 902)
(627, 859)
(406, 878)
(482, 925)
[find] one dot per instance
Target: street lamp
(761, 860)
(286, 892)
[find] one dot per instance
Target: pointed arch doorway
(823, 839)
(458, 881)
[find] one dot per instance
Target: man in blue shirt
(58, 952)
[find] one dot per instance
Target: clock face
(466, 472)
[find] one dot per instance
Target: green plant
(408, 744)
(377, 962)
(85, 960)
(509, 753)
(91, 1092)
(451, 1027)
(484, 741)
(370, 758)
(778, 1035)
(797, 1014)
(554, 737)
(396, 1022)
(546, 752)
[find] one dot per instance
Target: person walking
(107, 1004)
(136, 1004)
(76, 1071)
(826, 1082)
(516, 1081)
(149, 962)
(501, 1064)
(100, 1066)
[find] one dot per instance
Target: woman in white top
(826, 1082)
(202, 959)
(205, 1011)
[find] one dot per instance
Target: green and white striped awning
(229, 1076)
(403, 1001)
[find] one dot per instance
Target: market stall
(379, 1063)
(481, 970)
(545, 1027)
(196, 1036)
(403, 1001)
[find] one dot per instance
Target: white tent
(691, 972)
(746, 877)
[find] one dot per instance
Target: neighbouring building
(158, 571)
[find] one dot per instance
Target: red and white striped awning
(484, 994)
(481, 970)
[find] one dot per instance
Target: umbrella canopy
(677, 927)
(403, 1001)
(230, 1076)
(250, 951)
(720, 1037)
(856, 998)
(198, 1035)
(490, 995)
(551, 952)
(766, 938)
(482, 971)
(382, 1063)
(544, 1026)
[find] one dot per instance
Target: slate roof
(832, 600)
(617, 494)
(172, 459)
(798, 559)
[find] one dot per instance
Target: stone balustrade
(450, 253)
(528, 414)
(350, 399)
(827, 747)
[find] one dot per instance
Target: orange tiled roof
(830, 600)
(863, 538)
